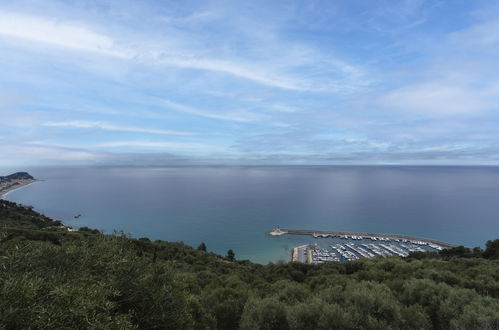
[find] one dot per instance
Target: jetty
(277, 232)
(361, 235)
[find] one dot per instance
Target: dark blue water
(233, 207)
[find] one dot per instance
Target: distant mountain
(16, 176)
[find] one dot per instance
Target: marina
(317, 254)
(333, 246)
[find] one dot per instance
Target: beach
(4, 191)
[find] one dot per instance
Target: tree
(202, 247)
(56, 279)
(492, 250)
(264, 314)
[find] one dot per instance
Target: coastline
(6, 191)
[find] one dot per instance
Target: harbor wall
(349, 233)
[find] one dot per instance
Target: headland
(14, 181)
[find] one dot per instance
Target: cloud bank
(235, 82)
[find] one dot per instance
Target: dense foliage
(52, 279)
(13, 215)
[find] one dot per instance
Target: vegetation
(231, 255)
(54, 279)
(14, 215)
(16, 176)
(202, 247)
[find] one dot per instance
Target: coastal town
(14, 181)
(349, 246)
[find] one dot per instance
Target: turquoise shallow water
(233, 207)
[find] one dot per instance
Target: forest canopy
(51, 278)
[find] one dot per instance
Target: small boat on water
(77, 216)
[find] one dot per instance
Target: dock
(359, 235)
(300, 254)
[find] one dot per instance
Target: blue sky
(235, 82)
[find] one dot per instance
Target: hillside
(51, 278)
(17, 176)
(14, 215)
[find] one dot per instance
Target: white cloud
(190, 19)
(441, 98)
(239, 116)
(58, 33)
(284, 108)
(483, 34)
(111, 127)
(459, 77)
(76, 36)
(242, 71)
(50, 153)
(168, 146)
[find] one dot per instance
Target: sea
(233, 207)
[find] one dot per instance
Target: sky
(249, 82)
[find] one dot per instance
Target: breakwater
(327, 233)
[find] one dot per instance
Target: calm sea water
(233, 207)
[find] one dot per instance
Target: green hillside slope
(54, 279)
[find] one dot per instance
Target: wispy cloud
(284, 108)
(481, 34)
(46, 153)
(238, 116)
(442, 98)
(459, 77)
(111, 127)
(195, 17)
(255, 80)
(58, 33)
(78, 37)
(167, 146)
(401, 16)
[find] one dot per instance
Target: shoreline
(5, 192)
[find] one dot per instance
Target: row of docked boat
(364, 253)
(395, 250)
(412, 248)
(344, 252)
(351, 251)
(320, 256)
(380, 238)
